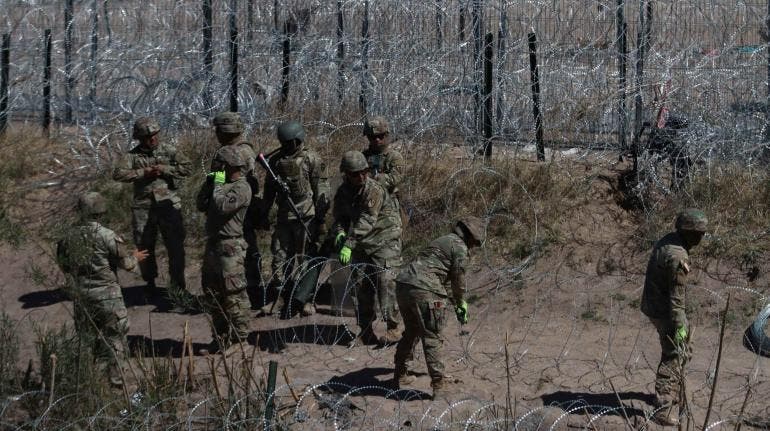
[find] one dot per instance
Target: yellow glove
(461, 312)
(219, 177)
(345, 254)
(339, 240)
(681, 334)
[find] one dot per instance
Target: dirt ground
(560, 339)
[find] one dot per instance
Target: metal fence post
(233, 56)
(622, 57)
(340, 52)
(5, 69)
(488, 41)
(363, 99)
(535, 77)
(208, 55)
(47, 82)
(69, 8)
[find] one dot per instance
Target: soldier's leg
(171, 227)
(253, 260)
(115, 331)
(145, 235)
(281, 247)
(413, 331)
(433, 318)
(366, 292)
(386, 293)
(667, 378)
(235, 300)
(212, 284)
(306, 270)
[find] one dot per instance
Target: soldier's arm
(125, 171)
(678, 314)
(269, 195)
(118, 251)
(319, 182)
(203, 198)
(178, 167)
(392, 180)
(457, 268)
(362, 225)
(229, 198)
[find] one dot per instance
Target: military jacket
(248, 154)
(159, 190)
(387, 167)
(369, 218)
(91, 254)
(664, 283)
(225, 206)
(439, 268)
(304, 174)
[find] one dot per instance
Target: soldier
(155, 170)
(386, 165)
(424, 288)
(367, 231)
(89, 255)
(304, 177)
(663, 302)
(225, 197)
(229, 130)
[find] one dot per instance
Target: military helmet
(145, 127)
(353, 161)
(474, 226)
(691, 219)
(230, 156)
(228, 122)
(92, 203)
(376, 125)
(290, 130)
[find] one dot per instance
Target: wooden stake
(719, 360)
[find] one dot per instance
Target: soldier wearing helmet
(89, 254)
(386, 165)
(367, 233)
(155, 169)
(663, 302)
(225, 199)
(229, 128)
(306, 184)
(425, 288)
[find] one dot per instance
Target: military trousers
(101, 317)
(167, 220)
(673, 358)
(253, 259)
(224, 284)
(375, 281)
(424, 315)
(292, 257)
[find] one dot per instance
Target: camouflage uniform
(89, 255)
(156, 206)
(663, 302)
(386, 165)
(372, 225)
(231, 123)
(222, 274)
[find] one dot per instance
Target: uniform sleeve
(340, 213)
(203, 198)
(178, 167)
(363, 224)
(392, 179)
(229, 198)
(125, 171)
(457, 268)
(269, 195)
(118, 251)
(319, 182)
(678, 292)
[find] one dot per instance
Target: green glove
(461, 312)
(681, 334)
(218, 176)
(345, 253)
(339, 240)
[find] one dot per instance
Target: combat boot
(665, 417)
(402, 378)
(440, 389)
(273, 307)
(392, 336)
(308, 309)
(364, 338)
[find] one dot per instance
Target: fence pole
(69, 9)
(535, 76)
(94, 50)
(363, 97)
(5, 73)
(461, 23)
(439, 24)
(767, 104)
(208, 55)
(233, 56)
(622, 57)
(285, 65)
(502, 35)
(340, 52)
(47, 82)
(643, 42)
(272, 373)
(249, 22)
(488, 41)
(276, 14)
(477, 63)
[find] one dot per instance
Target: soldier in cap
(386, 165)
(155, 170)
(367, 233)
(225, 198)
(663, 302)
(425, 289)
(306, 186)
(89, 255)
(229, 131)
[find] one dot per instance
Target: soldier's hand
(345, 254)
(219, 177)
(161, 169)
(680, 336)
(339, 240)
(141, 255)
(151, 172)
(461, 312)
